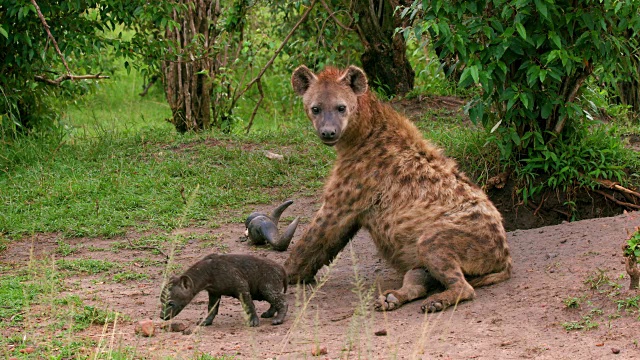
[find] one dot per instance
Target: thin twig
(621, 203)
(46, 28)
(68, 77)
(615, 186)
(335, 19)
(544, 198)
(255, 109)
(138, 247)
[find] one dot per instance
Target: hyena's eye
(315, 110)
(342, 108)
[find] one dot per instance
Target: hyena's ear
(355, 78)
(186, 282)
(301, 79)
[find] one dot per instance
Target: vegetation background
(120, 116)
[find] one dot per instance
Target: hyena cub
(427, 219)
(243, 277)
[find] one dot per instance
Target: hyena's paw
(387, 301)
(434, 304)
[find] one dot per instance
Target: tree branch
(621, 203)
(255, 109)
(68, 77)
(335, 19)
(272, 59)
(569, 94)
(46, 28)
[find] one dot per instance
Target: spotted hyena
(427, 219)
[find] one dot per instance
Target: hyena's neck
(375, 120)
(198, 276)
(364, 124)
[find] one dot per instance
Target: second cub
(243, 277)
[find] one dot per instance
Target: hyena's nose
(328, 134)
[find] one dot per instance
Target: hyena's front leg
(329, 232)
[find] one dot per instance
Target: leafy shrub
(531, 60)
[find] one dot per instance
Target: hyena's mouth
(330, 142)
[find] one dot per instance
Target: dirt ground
(525, 317)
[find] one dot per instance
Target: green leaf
(521, 30)
(464, 76)
(542, 8)
(542, 75)
(3, 32)
(545, 111)
(524, 100)
(474, 73)
(556, 39)
(515, 137)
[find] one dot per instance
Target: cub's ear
(186, 282)
(301, 79)
(355, 78)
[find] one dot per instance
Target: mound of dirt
(563, 302)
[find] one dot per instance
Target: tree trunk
(187, 76)
(629, 93)
(385, 56)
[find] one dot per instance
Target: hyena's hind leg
(414, 286)
(442, 261)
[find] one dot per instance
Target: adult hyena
(427, 219)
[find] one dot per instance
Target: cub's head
(176, 294)
(330, 98)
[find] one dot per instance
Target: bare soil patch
(525, 317)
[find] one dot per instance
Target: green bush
(530, 59)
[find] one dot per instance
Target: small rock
(382, 332)
(187, 331)
(27, 350)
(273, 156)
(615, 351)
(551, 255)
(145, 328)
(175, 326)
(317, 350)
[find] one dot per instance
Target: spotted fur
(427, 219)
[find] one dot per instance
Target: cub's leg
(269, 313)
(414, 286)
(212, 309)
(329, 232)
(441, 255)
(249, 308)
(278, 304)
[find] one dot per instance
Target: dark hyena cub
(243, 277)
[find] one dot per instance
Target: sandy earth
(520, 318)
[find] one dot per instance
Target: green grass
(129, 276)
(88, 266)
(463, 141)
(116, 107)
(14, 296)
(102, 186)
